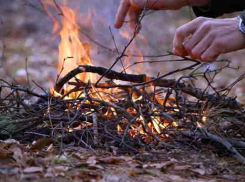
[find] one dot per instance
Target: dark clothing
(219, 7)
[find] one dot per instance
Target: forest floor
(48, 163)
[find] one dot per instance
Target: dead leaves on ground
(42, 160)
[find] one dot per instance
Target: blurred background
(29, 48)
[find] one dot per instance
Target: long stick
(169, 83)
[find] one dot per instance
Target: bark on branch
(169, 83)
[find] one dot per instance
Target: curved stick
(169, 83)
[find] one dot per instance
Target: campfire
(97, 107)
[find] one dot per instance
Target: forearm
(217, 8)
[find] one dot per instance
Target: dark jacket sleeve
(219, 7)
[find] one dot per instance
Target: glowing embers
(81, 126)
(148, 123)
(145, 129)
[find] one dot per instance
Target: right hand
(206, 38)
(135, 7)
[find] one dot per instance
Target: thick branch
(229, 144)
(169, 83)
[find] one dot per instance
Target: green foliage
(6, 127)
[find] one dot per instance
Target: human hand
(207, 38)
(135, 7)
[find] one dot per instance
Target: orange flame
(134, 50)
(72, 53)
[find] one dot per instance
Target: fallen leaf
(58, 168)
(9, 170)
(133, 172)
(95, 167)
(78, 156)
(56, 171)
(126, 158)
(199, 171)
(86, 176)
(29, 177)
(57, 159)
(155, 179)
(115, 178)
(174, 178)
(91, 160)
(182, 168)
(135, 164)
(81, 165)
(3, 153)
(10, 141)
(50, 149)
(51, 175)
(111, 160)
(36, 161)
(33, 170)
(41, 143)
(159, 165)
(18, 155)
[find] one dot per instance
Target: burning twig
(169, 83)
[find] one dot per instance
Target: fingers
(198, 42)
(213, 52)
(121, 13)
(184, 32)
(194, 39)
(179, 39)
(134, 20)
(197, 51)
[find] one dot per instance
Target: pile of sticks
(145, 112)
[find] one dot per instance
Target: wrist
(199, 2)
(241, 24)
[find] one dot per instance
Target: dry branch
(169, 83)
(229, 144)
(96, 134)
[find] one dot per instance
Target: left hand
(207, 38)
